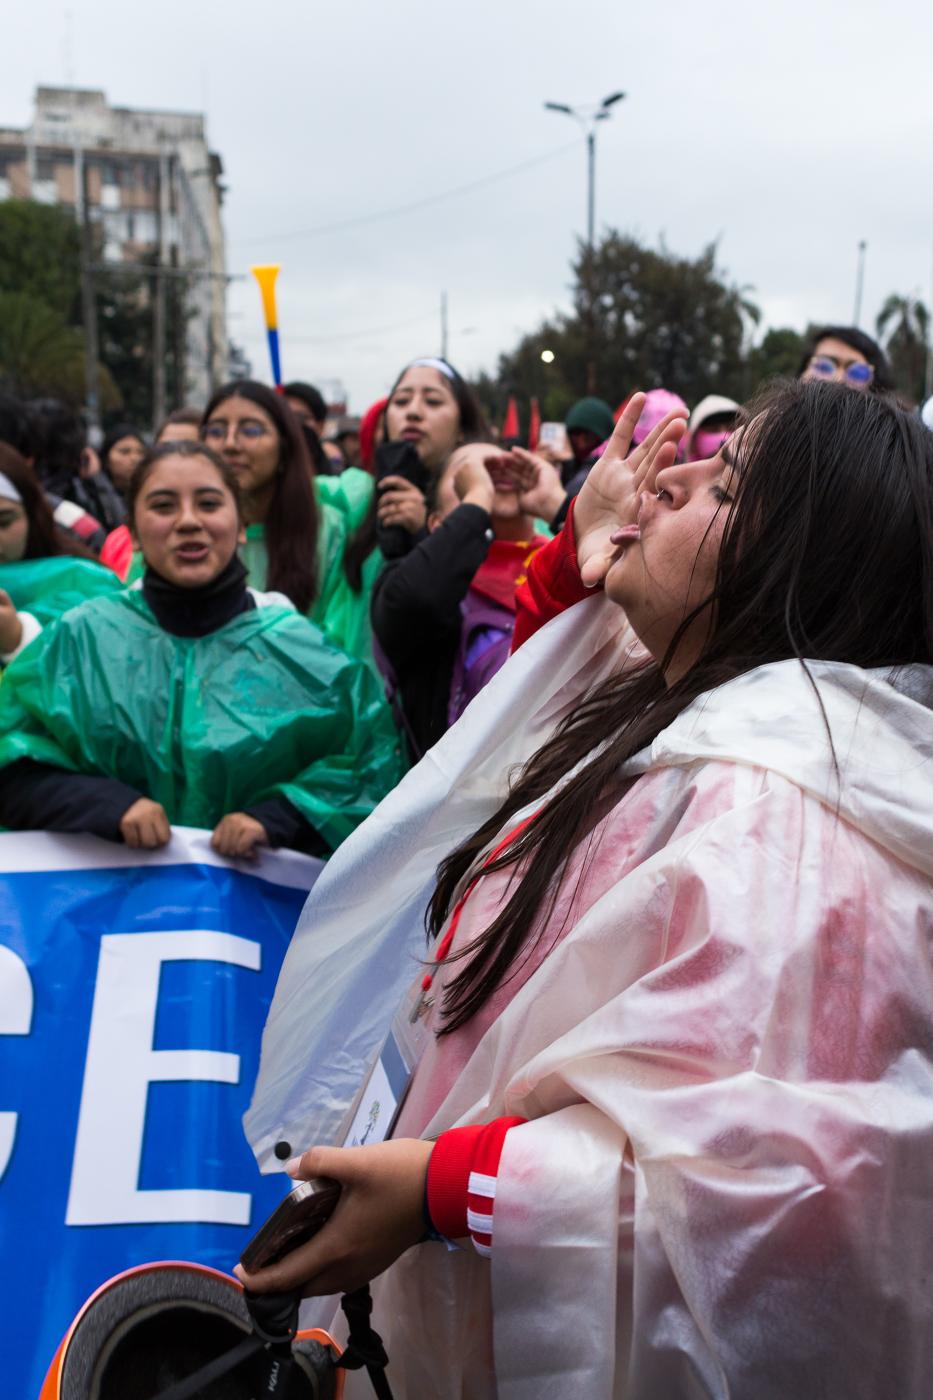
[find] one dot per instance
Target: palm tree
(907, 322)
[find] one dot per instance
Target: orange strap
(443, 948)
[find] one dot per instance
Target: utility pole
(88, 298)
(158, 308)
(443, 325)
(590, 188)
(859, 282)
(178, 301)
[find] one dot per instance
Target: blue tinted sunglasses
(827, 366)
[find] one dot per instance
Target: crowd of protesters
(630, 976)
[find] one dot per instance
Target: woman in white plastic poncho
(679, 1082)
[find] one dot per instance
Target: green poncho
(49, 587)
(332, 537)
(348, 614)
(205, 725)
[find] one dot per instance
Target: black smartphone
(306, 1208)
(398, 459)
(401, 459)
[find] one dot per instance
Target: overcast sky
(787, 132)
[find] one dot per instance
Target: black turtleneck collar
(196, 612)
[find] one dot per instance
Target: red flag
(534, 426)
(510, 428)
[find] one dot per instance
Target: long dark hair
(473, 428)
(862, 344)
(827, 554)
(293, 519)
(45, 538)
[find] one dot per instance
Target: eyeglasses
(249, 432)
(859, 375)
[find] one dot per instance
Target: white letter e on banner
(120, 1066)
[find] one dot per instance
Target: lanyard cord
(443, 948)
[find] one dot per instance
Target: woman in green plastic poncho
(192, 698)
(43, 570)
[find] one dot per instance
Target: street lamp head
(547, 356)
(612, 99)
(558, 107)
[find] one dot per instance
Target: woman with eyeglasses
(846, 355)
(294, 542)
(192, 698)
(673, 1097)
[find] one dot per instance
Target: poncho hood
(867, 753)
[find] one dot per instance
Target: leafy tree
(41, 355)
(777, 356)
(40, 259)
(643, 318)
(907, 323)
(40, 255)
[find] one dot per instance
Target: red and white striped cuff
(462, 1176)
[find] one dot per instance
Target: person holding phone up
(444, 613)
(430, 409)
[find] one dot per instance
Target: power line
(361, 219)
(361, 335)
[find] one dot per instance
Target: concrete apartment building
(153, 184)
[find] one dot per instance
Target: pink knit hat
(658, 403)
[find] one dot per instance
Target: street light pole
(859, 283)
(591, 188)
(587, 117)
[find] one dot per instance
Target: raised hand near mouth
(609, 497)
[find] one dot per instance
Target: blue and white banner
(133, 992)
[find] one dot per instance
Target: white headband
(8, 491)
(429, 362)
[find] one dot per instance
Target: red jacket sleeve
(117, 551)
(553, 584)
(462, 1180)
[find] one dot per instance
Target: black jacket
(416, 618)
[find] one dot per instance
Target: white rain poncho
(726, 1186)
